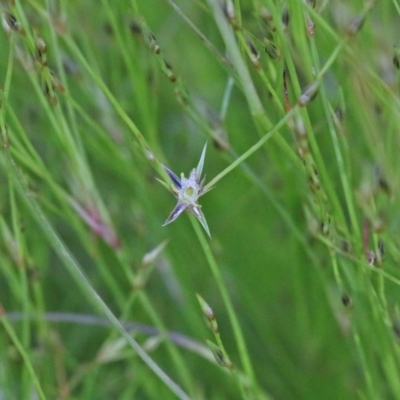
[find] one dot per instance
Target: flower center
(189, 192)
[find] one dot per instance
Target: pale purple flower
(187, 191)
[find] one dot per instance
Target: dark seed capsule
(325, 228)
(339, 113)
(153, 44)
(220, 144)
(12, 21)
(220, 357)
(312, 3)
(381, 248)
(384, 185)
(271, 50)
(345, 246)
(355, 25)
(266, 15)
(33, 273)
(221, 360)
(253, 50)
(396, 329)
(268, 19)
(135, 28)
(380, 180)
(169, 71)
(346, 300)
(371, 257)
(285, 18)
(108, 29)
(396, 60)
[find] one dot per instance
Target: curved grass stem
(76, 272)
(237, 331)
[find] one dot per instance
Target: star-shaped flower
(187, 191)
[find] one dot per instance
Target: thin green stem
(145, 148)
(17, 343)
(252, 149)
(237, 331)
(336, 145)
(244, 77)
(76, 272)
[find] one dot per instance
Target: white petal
(200, 216)
(199, 168)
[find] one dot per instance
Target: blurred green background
(96, 95)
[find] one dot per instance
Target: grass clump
(296, 293)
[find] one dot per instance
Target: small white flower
(187, 191)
